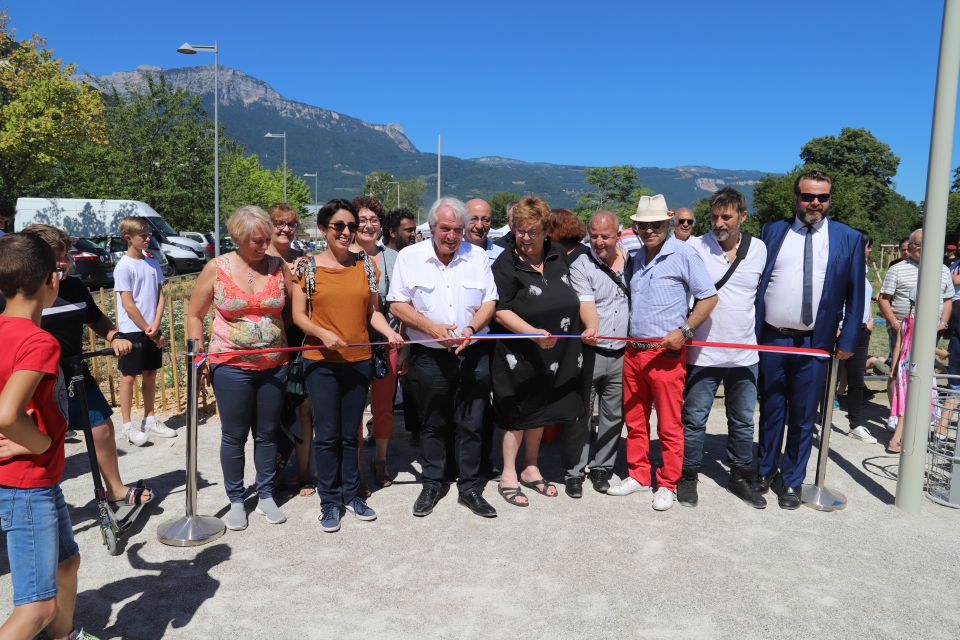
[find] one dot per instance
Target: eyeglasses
(373, 220)
(529, 233)
(685, 222)
(280, 224)
(340, 226)
(60, 271)
(810, 197)
(656, 226)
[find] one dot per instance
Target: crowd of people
(535, 330)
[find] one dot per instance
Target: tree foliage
(614, 188)
(862, 169)
(45, 115)
(378, 184)
(499, 202)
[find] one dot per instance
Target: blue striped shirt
(660, 290)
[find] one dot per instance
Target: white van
(85, 218)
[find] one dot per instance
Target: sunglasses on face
(641, 226)
(340, 226)
(280, 224)
(810, 197)
(686, 223)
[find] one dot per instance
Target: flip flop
(540, 486)
(307, 489)
(893, 446)
(134, 497)
(510, 494)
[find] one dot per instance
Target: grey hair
(459, 211)
(604, 215)
(914, 235)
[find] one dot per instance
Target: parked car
(91, 264)
(117, 246)
(205, 240)
(226, 243)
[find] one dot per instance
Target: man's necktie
(806, 311)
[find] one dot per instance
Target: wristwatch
(686, 331)
(472, 330)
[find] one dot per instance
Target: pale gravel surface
(599, 567)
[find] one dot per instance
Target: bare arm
(126, 299)
(158, 317)
(104, 328)
(329, 339)
(947, 310)
(886, 310)
(516, 324)
(19, 434)
(379, 322)
(591, 322)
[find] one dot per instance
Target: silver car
(202, 240)
(117, 246)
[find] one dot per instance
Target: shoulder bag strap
(741, 254)
(613, 276)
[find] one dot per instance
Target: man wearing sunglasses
(662, 277)
(683, 228)
(814, 275)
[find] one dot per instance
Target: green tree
(45, 115)
(384, 186)
(499, 202)
(614, 188)
(858, 154)
(956, 180)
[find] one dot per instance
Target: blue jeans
(248, 399)
(740, 398)
(337, 392)
(39, 537)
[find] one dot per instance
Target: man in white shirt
(733, 255)
(443, 292)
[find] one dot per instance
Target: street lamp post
(316, 188)
(191, 49)
(398, 192)
(284, 136)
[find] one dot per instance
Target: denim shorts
(97, 408)
(39, 537)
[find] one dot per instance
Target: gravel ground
(597, 567)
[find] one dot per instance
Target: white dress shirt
(447, 294)
(735, 316)
(783, 300)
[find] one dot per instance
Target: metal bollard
(817, 496)
(191, 530)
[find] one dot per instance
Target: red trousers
(654, 378)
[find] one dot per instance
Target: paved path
(600, 567)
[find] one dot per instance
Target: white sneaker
(862, 434)
(662, 499)
(627, 487)
(150, 425)
(892, 423)
(136, 437)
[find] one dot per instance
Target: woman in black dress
(536, 382)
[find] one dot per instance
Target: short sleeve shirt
(595, 285)
(27, 347)
(142, 278)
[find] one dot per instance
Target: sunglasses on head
(684, 222)
(810, 197)
(340, 226)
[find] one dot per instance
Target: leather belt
(791, 333)
(610, 353)
(645, 346)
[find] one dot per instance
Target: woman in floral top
(248, 290)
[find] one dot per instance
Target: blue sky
(738, 85)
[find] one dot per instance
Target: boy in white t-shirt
(137, 281)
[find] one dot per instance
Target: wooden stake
(174, 360)
(110, 368)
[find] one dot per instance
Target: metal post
(191, 530)
(917, 411)
(216, 149)
(817, 496)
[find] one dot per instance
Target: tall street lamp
(316, 188)
(284, 136)
(398, 192)
(191, 49)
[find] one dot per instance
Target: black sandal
(540, 486)
(134, 497)
(510, 494)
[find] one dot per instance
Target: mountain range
(343, 149)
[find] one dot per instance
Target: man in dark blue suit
(814, 276)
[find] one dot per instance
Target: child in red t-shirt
(43, 555)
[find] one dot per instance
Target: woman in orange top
(344, 302)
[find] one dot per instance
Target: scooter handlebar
(136, 346)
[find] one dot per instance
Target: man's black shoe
(600, 479)
(687, 487)
(574, 487)
(763, 483)
(789, 498)
(475, 502)
(741, 484)
(426, 501)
